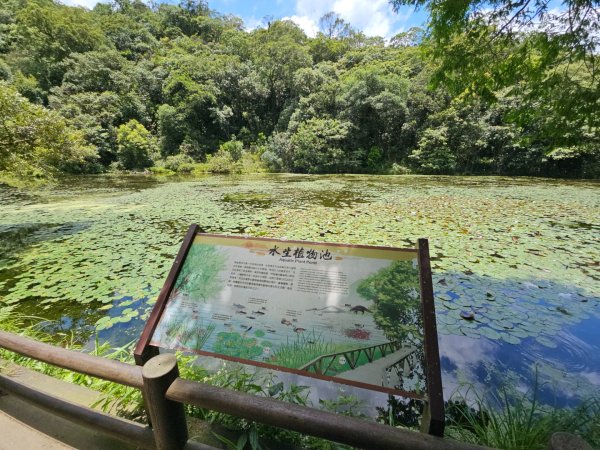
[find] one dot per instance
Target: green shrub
(234, 148)
(135, 146)
(160, 170)
(317, 147)
(35, 141)
(222, 162)
(374, 159)
(5, 72)
(433, 154)
(252, 163)
(179, 163)
(398, 169)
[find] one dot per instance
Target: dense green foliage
(34, 140)
(534, 61)
(142, 85)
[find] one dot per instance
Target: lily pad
(90, 248)
(545, 341)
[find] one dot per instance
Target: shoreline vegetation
(182, 88)
(514, 422)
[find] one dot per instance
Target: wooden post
(433, 420)
(167, 416)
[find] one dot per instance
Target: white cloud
(85, 3)
(308, 24)
(467, 355)
(592, 377)
(373, 17)
(465, 352)
(251, 23)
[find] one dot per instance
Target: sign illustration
(353, 314)
(349, 313)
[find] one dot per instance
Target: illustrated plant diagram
(199, 276)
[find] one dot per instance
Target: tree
(433, 154)
(136, 146)
(411, 38)
(182, 19)
(576, 26)
(506, 98)
(129, 33)
(49, 33)
(35, 140)
(333, 26)
(320, 146)
(280, 52)
(394, 291)
(547, 59)
(99, 92)
(373, 98)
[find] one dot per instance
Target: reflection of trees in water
(411, 377)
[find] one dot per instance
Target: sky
(373, 17)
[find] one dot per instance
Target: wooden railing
(165, 393)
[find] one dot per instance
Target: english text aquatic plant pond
(516, 262)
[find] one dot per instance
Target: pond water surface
(523, 255)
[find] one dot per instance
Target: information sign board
(352, 314)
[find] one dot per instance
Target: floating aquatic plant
(521, 254)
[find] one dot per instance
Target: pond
(519, 255)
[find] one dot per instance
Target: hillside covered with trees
(129, 87)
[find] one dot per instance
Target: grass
(191, 335)
(303, 349)
(308, 346)
(520, 422)
(123, 400)
(510, 421)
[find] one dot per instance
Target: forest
(127, 86)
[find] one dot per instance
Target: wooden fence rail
(165, 393)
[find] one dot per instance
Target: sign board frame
(433, 415)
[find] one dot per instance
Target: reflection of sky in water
(565, 374)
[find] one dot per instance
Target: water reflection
(565, 374)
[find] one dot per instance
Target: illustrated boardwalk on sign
(378, 369)
(323, 363)
(400, 361)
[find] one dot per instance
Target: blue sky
(373, 17)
